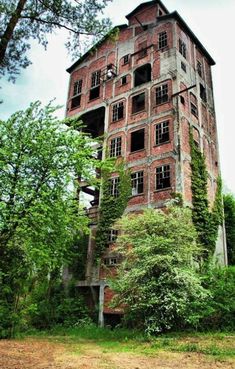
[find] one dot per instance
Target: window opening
(162, 94)
(95, 85)
(138, 103)
(77, 87)
(183, 67)
(76, 101)
(116, 147)
(118, 111)
(203, 93)
(142, 49)
(194, 110)
(124, 80)
(182, 100)
(110, 261)
(137, 183)
(112, 236)
(162, 40)
(137, 140)
(182, 48)
(163, 177)
(162, 132)
(126, 59)
(114, 186)
(199, 68)
(142, 75)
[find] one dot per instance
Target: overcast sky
(213, 23)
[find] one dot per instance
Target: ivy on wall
(205, 221)
(111, 207)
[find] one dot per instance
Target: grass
(216, 344)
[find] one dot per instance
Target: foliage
(39, 214)
(25, 20)
(157, 282)
(206, 222)
(111, 207)
(229, 215)
(219, 311)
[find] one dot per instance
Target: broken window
(137, 183)
(162, 132)
(137, 140)
(162, 40)
(203, 93)
(163, 177)
(138, 103)
(142, 75)
(199, 68)
(126, 59)
(124, 80)
(116, 147)
(117, 111)
(193, 105)
(162, 94)
(77, 89)
(95, 85)
(110, 261)
(142, 49)
(112, 235)
(183, 67)
(182, 100)
(182, 48)
(114, 186)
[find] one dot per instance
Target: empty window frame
(183, 67)
(162, 94)
(142, 49)
(193, 105)
(137, 140)
(77, 89)
(112, 235)
(182, 48)
(117, 111)
(142, 75)
(137, 183)
(110, 261)
(126, 59)
(95, 85)
(203, 93)
(162, 133)
(162, 40)
(199, 68)
(116, 147)
(138, 103)
(114, 186)
(163, 175)
(124, 80)
(75, 101)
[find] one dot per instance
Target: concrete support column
(101, 305)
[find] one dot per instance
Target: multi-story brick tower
(145, 91)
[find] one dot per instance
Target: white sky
(211, 20)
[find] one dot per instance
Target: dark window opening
(110, 261)
(183, 67)
(203, 93)
(124, 80)
(116, 147)
(137, 140)
(142, 49)
(93, 122)
(126, 59)
(112, 235)
(162, 40)
(161, 94)
(182, 100)
(137, 183)
(94, 93)
(114, 186)
(138, 103)
(160, 13)
(142, 75)
(182, 48)
(199, 68)
(163, 177)
(162, 133)
(194, 110)
(118, 111)
(76, 101)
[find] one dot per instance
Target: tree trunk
(7, 36)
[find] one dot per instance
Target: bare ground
(42, 354)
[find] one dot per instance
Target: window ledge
(138, 194)
(163, 143)
(95, 98)
(133, 152)
(156, 105)
(138, 112)
(76, 107)
(164, 189)
(118, 120)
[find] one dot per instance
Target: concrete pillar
(101, 305)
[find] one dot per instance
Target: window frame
(182, 48)
(162, 97)
(134, 132)
(117, 111)
(161, 129)
(112, 236)
(115, 148)
(162, 40)
(137, 181)
(114, 186)
(161, 171)
(126, 59)
(134, 98)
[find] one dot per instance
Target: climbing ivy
(205, 221)
(111, 207)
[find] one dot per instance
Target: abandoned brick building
(145, 91)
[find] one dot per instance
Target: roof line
(142, 5)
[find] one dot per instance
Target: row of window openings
(162, 135)
(163, 181)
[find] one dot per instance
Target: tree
(157, 281)
(39, 213)
(25, 20)
(229, 215)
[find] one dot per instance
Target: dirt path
(42, 354)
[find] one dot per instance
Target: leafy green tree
(229, 214)
(24, 20)
(157, 282)
(39, 214)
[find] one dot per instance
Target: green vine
(111, 207)
(205, 221)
